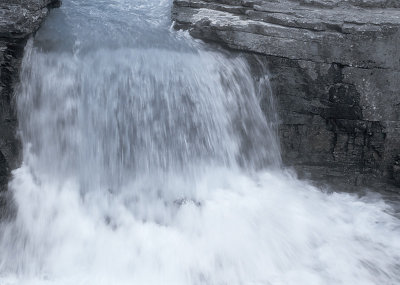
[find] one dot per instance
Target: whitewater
(147, 160)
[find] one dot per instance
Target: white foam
(236, 229)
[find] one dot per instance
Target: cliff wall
(18, 20)
(335, 70)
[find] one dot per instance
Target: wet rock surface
(335, 70)
(18, 20)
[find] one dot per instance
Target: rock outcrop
(335, 70)
(18, 20)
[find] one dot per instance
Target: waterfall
(148, 160)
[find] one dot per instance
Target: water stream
(147, 160)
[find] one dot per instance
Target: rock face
(18, 20)
(335, 70)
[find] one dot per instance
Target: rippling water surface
(147, 160)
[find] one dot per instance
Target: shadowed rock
(18, 20)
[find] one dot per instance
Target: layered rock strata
(18, 20)
(335, 70)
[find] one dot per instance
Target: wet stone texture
(335, 70)
(18, 20)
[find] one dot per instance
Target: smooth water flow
(148, 160)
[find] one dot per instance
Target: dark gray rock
(3, 172)
(396, 170)
(18, 20)
(335, 70)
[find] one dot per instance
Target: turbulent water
(147, 160)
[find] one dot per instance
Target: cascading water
(147, 160)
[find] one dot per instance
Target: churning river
(148, 160)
